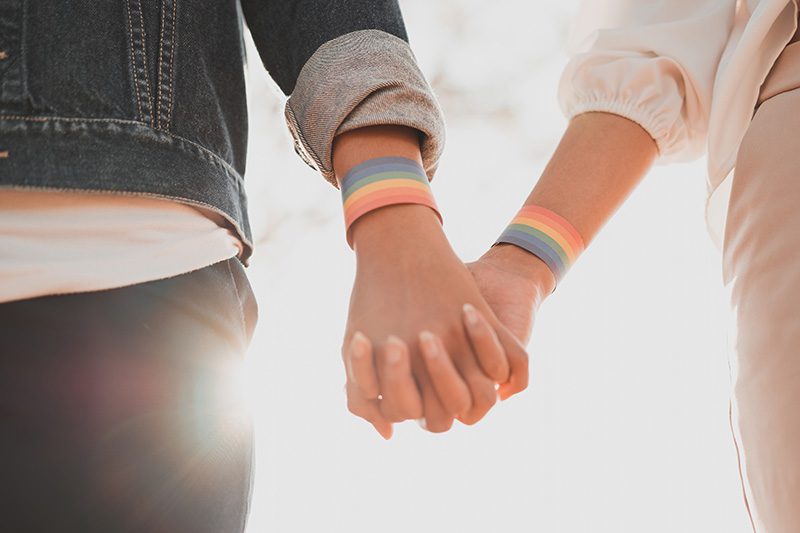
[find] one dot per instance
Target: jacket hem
(120, 156)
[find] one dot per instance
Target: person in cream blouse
(720, 77)
(687, 71)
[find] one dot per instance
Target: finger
(453, 393)
(481, 388)
(400, 396)
(436, 417)
(491, 355)
(517, 361)
(361, 366)
(368, 410)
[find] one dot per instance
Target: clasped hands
(429, 338)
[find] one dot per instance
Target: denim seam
(149, 93)
(164, 85)
(139, 47)
(160, 65)
(217, 159)
(173, 47)
(133, 60)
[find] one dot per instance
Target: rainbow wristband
(384, 181)
(546, 235)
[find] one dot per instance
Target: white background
(624, 427)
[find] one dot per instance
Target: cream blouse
(687, 71)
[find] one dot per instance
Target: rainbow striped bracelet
(384, 181)
(546, 235)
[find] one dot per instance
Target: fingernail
(471, 315)
(358, 344)
(431, 348)
(393, 353)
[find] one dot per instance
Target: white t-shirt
(66, 242)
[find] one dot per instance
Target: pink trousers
(761, 258)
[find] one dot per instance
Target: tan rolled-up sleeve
(363, 78)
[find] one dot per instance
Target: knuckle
(439, 425)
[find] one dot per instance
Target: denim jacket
(147, 97)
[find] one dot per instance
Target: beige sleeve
(651, 62)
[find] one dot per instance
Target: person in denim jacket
(124, 237)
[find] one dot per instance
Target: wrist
(386, 193)
(396, 230)
(521, 264)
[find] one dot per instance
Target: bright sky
(624, 428)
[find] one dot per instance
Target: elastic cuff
(363, 78)
(643, 117)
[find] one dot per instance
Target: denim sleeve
(345, 64)
(288, 32)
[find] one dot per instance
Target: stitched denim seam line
(165, 86)
(133, 61)
(144, 63)
(173, 46)
(166, 54)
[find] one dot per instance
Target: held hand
(514, 283)
(400, 388)
(408, 280)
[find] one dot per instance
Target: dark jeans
(117, 408)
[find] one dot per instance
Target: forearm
(357, 146)
(599, 161)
